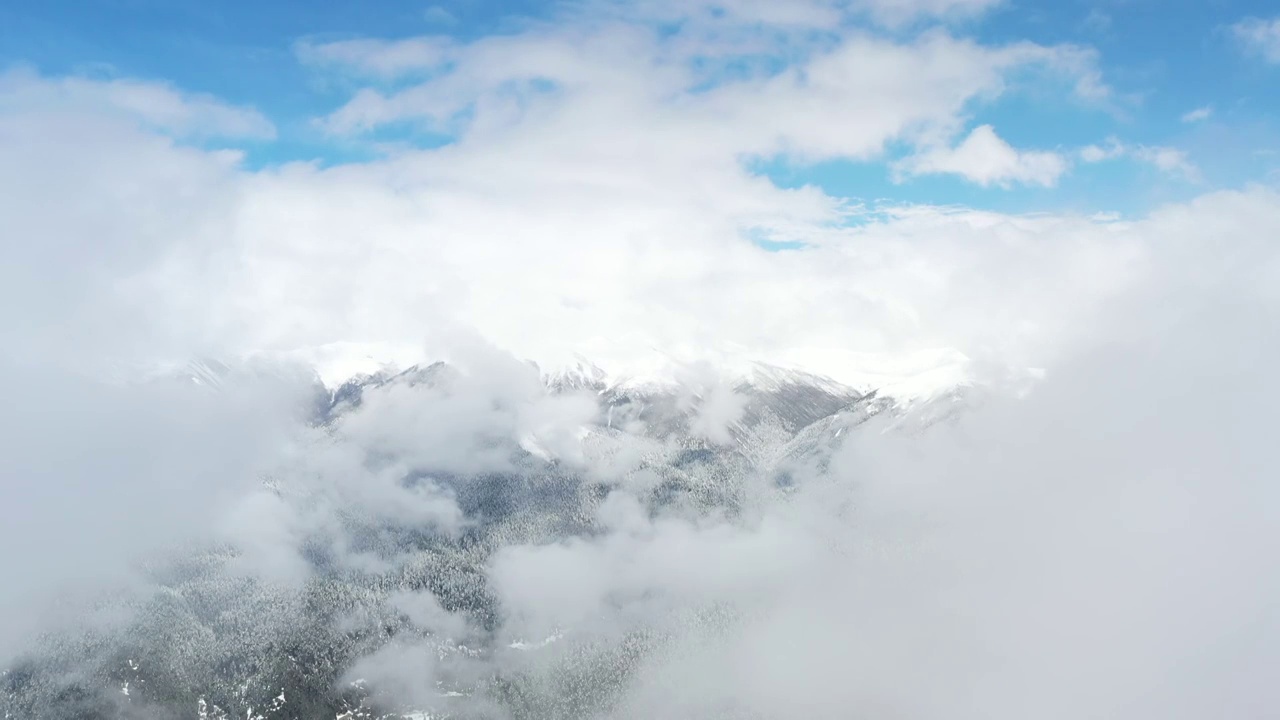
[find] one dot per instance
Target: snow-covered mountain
(905, 376)
(797, 395)
(415, 483)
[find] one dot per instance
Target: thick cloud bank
(463, 540)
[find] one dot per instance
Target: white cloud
(811, 14)
(607, 221)
(986, 159)
(1199, 114)
(155, 105)
(378, 58)
(1260, 36)
(1169, 160)
(439, 15)
(808, 14)
(1138, 507)
(1097, 21)
(606, 215)
(84, 459)
(1098, 153)
(900, 11)
(970, 518)
(841, 99)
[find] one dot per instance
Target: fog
(1099, 547)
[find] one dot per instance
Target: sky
(849, 185)
(1196, 83)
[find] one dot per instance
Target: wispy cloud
(1199, 114)
(1097, 21)
(901, 11)
(811, 14)
(1170, 160)
(439, 15)
(686, 83)
(1260, 36)
(384, 59)
(157, 105)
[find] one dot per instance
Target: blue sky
(1161, 63)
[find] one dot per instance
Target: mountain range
(383, 574)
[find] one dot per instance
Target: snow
(906, 377)
(335, 363)
(522, 645)
(529, 443)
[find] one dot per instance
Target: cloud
(802, 14)
(1199, 114)
(651, 239)
(104, 219)
(625, 169)
(598, 200)
(384, 59)
(1169, 160)
(846, 99)
(403, 672)
(539, 251)
(905, 541)
(154, 105)
(1097, 21)
(1099, 153)
(440, 15)
(1260, 36)
(100, 477)
(986, 159)
(921, 562)
(945, 597)
(931, 572)
(895, 12)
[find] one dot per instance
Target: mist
(1099, 546)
